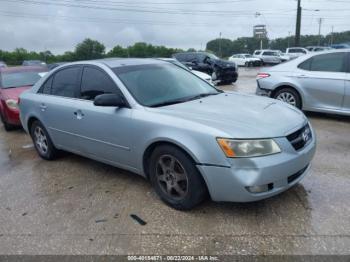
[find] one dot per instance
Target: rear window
(270, 53)
(18, 79)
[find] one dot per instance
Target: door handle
(79, 114)
(301, 76)
(43, 107)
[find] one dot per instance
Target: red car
(13, 81)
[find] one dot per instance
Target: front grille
(296, 175)
(300, 138)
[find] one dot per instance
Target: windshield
(212, 56)
(18, 79)
(162, 84)
(248, 56)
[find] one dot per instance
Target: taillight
(262, 75)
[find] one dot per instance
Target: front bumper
(278, 172)
(227, 76)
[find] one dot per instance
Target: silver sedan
(316, 82)
(161, 121)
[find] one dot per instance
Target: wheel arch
(287, 85)
(150, 148)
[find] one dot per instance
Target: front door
(104, 132)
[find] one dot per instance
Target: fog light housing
(260, 189)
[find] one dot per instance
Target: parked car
(3, 64)
(269, 57)
(54, 65)
(284, 57)
(33, 63)
(13, 81)
(316, 82)
(162, 122)
(246, 60)
(318, 48)
(340, 46)
(294, 52)
(202, 75)
(221, 70)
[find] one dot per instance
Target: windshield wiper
(182, 100)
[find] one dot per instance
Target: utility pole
(220, 51)
(319, 30)
(332, 36)
(288, 39)
(298, 25)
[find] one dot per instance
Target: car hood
(201, 75)
(13, 93)
(240, 115)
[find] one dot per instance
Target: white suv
(294, 52)
(268, 56)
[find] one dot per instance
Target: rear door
(346, 104)
(322, 78)
(104, 131)
(57, 107)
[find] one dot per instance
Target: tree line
(87, 50)
(92, 49)
(227, 47)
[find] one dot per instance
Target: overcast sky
(58, 25)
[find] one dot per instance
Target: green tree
(89, 49)
(118, 51)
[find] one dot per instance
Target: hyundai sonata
(161, 121)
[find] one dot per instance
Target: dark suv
(221, 70)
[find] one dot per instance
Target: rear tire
(175, 178)
(7, 126)
(42, 141)
(289, 96)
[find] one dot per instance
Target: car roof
(119, 62)
(15, 69)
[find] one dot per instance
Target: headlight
(12, 104)
(248, 148)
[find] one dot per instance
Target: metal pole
(220, 51)
(332, 36)
(298, 25)
(319, 31)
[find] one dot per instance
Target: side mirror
(109, 100)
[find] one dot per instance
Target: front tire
(175, 178)
(289, 96)
(42, 141)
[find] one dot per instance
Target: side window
(46, 87)
(257, 53)
(305, 65)
(96, 82)
(65, 82)
(334, 62)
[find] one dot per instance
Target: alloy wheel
(172, 177)
(287, 98)
(40, 140)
